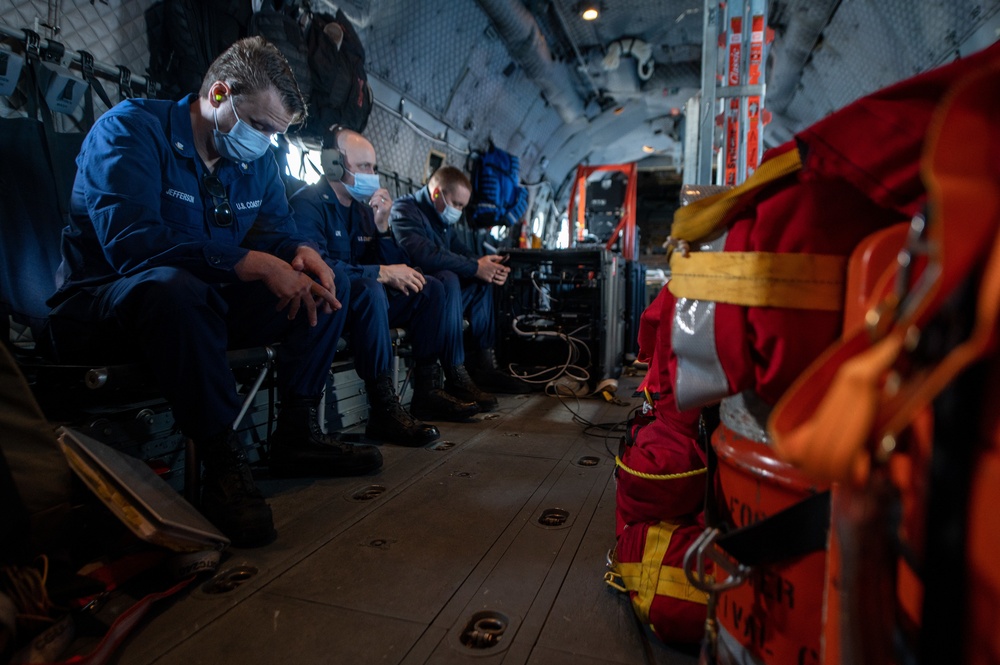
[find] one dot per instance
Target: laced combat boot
(389, 421)
(489, 376)
(459, 384)
(299, 448)
(229, 498)
(431, 402)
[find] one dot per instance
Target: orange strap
(700, 218)
(851, 399)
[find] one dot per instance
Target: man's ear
(217, 93)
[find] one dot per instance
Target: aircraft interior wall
(445, 80)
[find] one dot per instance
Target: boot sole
(401, 440)
(512, 389)
(484, 405)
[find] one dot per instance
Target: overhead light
(589, 12)
(648, 149)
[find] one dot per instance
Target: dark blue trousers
(475, 297)
(433, 327)
(182, 326)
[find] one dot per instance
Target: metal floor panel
(523, 572)
(269, 630)
(592, 623)
(398, 578)
(408, 557)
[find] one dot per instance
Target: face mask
(451, 214)
(365, 184)
(243, 143)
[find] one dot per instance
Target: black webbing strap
(799, 529)
(32, 54)
(38, 107)
(958, 414)
(708, 421)
(124, 83)
(90, 76)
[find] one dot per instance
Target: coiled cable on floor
(570, 369)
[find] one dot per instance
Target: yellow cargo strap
(761, 279)
(649, 578)
(751, 279)
(700, 218)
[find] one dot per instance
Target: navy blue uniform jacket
(431, 244)
(138, 202)
(346, 235)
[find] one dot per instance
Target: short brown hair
(449, 177)
(254, 64)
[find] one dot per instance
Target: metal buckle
(124, 82)
(32, 44)
(899, 304)
(694, 565)
(87, 65)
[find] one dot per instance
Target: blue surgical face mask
(451, 214)
(365, 184)
(243, 143)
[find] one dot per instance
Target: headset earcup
(333, 164)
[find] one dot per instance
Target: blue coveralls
(437, 250)
(147, 272)
(348, 236)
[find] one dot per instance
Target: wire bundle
(572, 369)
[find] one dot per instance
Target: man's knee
(452, 283)
(367, 294)
(166, 288)
(341, 284)
(434, 289)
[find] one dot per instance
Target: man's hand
(491, 270)
(402, 278)
(309, 261)
(381, 204)
(293, 287)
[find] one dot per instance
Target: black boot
(300, 448)
(459, 384)
(431, 402)
(490, 377)
(389, 421)
(229, 498)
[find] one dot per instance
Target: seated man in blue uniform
(424, 223)
(181, 245)
(346, 214)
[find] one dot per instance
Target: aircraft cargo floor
(441, 548)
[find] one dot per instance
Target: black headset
(330, 155)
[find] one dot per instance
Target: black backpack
(279, 23)
(340, 93)
(185, 36)
(331, 78)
